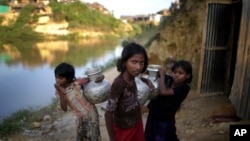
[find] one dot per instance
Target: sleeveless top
(77, 100)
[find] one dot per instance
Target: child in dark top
(123, 112)
(160, 125)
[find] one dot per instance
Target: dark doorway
(219, 48)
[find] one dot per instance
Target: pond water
(27, 73)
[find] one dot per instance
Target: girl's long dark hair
(128, 51)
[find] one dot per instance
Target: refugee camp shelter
(225, 62)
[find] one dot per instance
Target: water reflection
(26, 73)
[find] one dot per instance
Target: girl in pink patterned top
(71, 94)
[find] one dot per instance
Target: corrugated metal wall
(215, 50)
(240, 92)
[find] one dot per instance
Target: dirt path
(192, 120)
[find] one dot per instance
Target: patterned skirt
(88, 127)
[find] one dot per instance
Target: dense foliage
(3, 2)
(19, 30)
(79, 15)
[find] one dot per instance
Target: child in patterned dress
(71, 94)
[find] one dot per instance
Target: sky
(133, 7)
